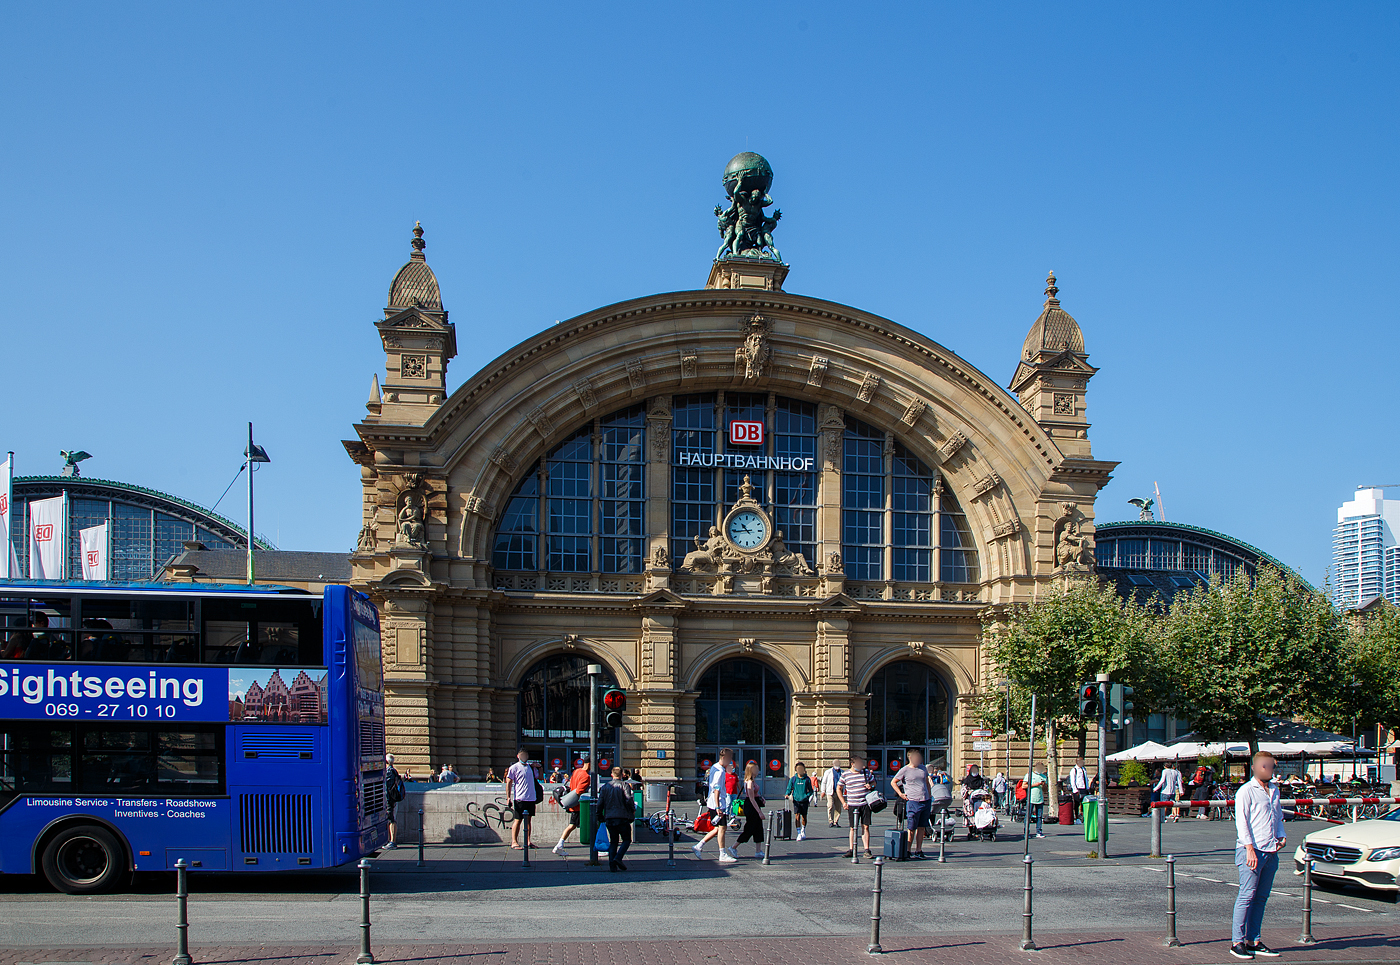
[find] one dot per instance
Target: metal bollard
(772, 835)
(670, 838)
(943, 837)
(1156, 846)
(420, 837)
(182, 926)
(874, 947)
(1171, 941)
(1027, 942)
(1307, 937)
(365, 957)
(525, 833)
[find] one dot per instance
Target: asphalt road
(470, 893)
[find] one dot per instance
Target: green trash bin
(1091, 819)
(641, 808)
(586, 830)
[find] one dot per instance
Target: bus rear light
(145, 854)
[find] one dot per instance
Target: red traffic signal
(1088, 700)
(614, 703)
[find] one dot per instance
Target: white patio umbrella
(1146, 751)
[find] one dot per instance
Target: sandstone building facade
(774, 520)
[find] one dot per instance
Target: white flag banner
(9, 562)
(48, 538)
(94, 544)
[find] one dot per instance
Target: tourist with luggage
(852, 790)
(579, 783)
(912, 783)
(619, 810)
(799, 793)
(722, 786)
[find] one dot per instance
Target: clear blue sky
(203, 206)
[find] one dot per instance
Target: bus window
(114, 760)
(37, 759)
(138, 630)
(187, 757)
(278, 633)
(43, 632)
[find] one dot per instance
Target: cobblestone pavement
(1372, 945)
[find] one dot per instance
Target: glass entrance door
(743, 705)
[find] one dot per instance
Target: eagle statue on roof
(71, 458)
(1144, 506)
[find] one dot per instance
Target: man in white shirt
(831, 779)
(520, 794)
(1259, 837)
(1079, 787)
(717, 805)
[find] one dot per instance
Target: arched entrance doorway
(909, 708)
(743, 705)
(553, 713)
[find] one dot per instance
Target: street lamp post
(1006, 685)
(1355, 722)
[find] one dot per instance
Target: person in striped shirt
(852, 792)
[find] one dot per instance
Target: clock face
(747, 530)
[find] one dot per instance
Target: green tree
(1047, 648)
(1370, 693)
(1238, 650)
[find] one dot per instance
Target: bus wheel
(84, 860)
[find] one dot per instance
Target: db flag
(48, 538)
(94, 543)
(9, 563)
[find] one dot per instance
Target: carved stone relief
(951, 446)
(541, 422)
(868, 385)
(817, 372)
(636, 374)
(584, 387)
(912, 412)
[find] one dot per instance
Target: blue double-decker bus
(240, 728)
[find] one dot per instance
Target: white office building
(1365, 551)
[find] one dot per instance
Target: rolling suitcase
(784, 831)
(896, 846)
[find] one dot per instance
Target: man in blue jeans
(1259, 837)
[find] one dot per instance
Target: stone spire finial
(1050, 290)
(418, 243)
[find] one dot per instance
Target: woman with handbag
(752, 809)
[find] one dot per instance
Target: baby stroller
(980, 815)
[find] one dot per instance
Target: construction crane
(1384, 486)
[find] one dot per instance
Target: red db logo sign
(746, 433)
(4, 503)
(92, 557)
(43, 532)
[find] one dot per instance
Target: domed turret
(1055, 330)
(1053, 375)
(415, 286)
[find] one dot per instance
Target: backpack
(1021, 789)
(393, 786)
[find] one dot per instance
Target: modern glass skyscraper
(1365, 551)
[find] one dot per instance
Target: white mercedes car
(1366, 853)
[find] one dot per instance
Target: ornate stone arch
(578, 647)
(997, 461)
(794, 677)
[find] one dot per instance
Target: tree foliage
(1372, 664)
(1234, 651)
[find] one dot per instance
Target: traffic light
(1089, 700)
(1120, 706)
(614, 703)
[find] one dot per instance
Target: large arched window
(897, 518)
(909, 708)
(554, 712)
(593, 515)
(701, 495)
(742, 705)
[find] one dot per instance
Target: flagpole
(67, 539)
(249, 465)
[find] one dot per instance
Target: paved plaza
(476, 903)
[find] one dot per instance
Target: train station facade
(775, 520)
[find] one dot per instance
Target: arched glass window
(909, 707)
(553, 711)
(743, 705)
(700, 496)
(897, 518)
(594, 510)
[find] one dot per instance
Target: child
(799, 792)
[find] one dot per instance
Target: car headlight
(1384, 854)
